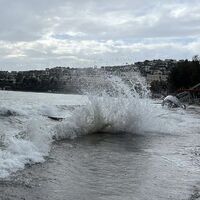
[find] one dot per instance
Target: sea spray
(124, 108)
(117, 105)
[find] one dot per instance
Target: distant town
(69, 79)
(160, 75)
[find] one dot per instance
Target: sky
(36, 34)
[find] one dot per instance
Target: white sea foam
(124, 109)
(4, 111)
(26, 134)
(29, 146)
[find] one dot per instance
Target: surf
(119, 105)
(120, 109)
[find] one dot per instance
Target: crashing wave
(122, 106)
(124, 110)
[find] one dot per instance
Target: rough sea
(107, 145)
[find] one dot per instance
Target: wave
(121, 106)
(7, 112)
(30, 147)
(124, 110)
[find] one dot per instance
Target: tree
(196, 58)
(184, 75)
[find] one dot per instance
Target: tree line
(184, 75)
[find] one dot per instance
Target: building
(157, 75)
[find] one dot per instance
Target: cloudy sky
(36, 34)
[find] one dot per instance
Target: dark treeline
(181, 74)
(184, 75)
(30, 84)
(50, 80)
(159, 87)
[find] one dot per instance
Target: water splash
(121, 106)
(117, 105)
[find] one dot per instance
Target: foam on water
(124, 109)
(28, 146)
(25, 131)
(27, 134)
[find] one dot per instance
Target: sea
(110, 143)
